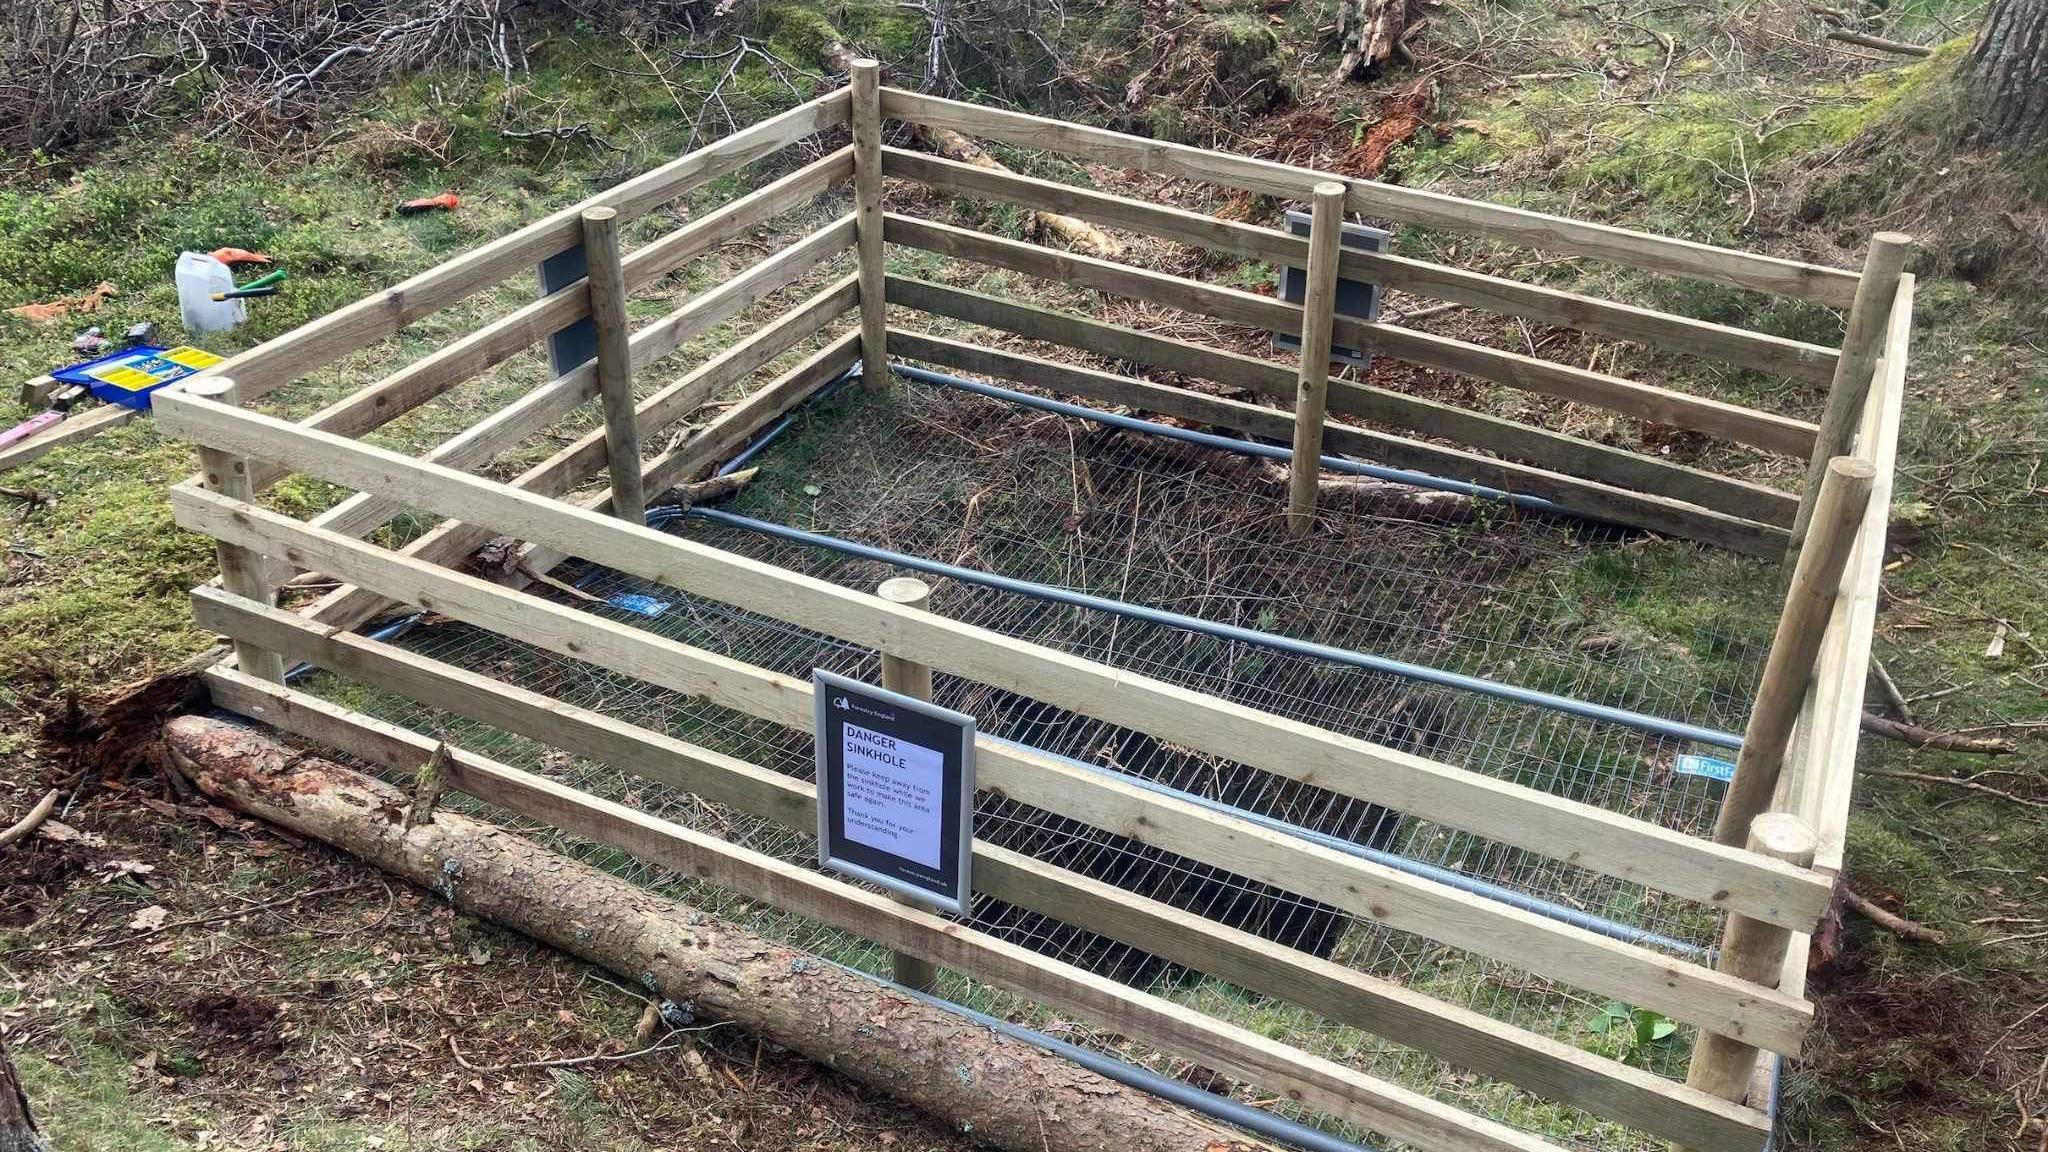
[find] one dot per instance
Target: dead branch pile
(70, 70)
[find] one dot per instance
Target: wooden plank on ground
(1555, 451)
(1582, 497)
(1319, 1083)
(278, 362)
(70, 430)
(1681, 990)
(1811, 363)
(1832, 286)
(1643, 401)
(1604, 1087)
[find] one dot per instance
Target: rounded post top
(866, 64)
(1892, 239)
(1852, 468)
(211, 388)
(908, 591)
(1784, 836)
(1325, 189)
(600, 215)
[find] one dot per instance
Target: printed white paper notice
(893, 793)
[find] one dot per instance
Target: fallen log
(1085, 238)
(1079, 234)
(1006, 1092)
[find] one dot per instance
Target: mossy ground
(1919, 1046)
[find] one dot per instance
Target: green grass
(97, 581)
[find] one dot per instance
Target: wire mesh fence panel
(1457, 584)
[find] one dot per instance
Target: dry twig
(1910, 929)
(21, 828)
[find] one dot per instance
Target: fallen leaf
(119, 868)
(62, 306)
(150, 918)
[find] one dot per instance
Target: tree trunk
(17, 1128)
(2007, 72)
(1371, 31)
(1007, 1093)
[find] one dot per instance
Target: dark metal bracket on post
(1358, 299)
(574, 345)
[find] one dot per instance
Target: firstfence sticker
(1710, 767)
(895, 790)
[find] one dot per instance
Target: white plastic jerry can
(199, 277)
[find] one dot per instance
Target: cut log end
(1008, 1093)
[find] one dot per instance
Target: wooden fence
(1774, 883)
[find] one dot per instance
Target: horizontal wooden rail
(452, 541)
(1618, 845)
(1832, 286)
(503, 338)
(1680, 990)
(1583, 497)
(1319, 1083)
(693, 389)
(277, 362)
(1604, 1087)
(725, 435)
(1765, 353)
(1643, 401)
(1553, 450)
(531, 413)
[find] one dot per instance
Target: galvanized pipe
(1054, 594)
(1226, 443)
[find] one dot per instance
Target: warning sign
(895, 790)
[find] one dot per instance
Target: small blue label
(1710, 767)
(634, 602)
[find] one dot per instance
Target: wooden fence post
(1809, 602)
(614, 362)
(243, 571)
(1312, 380)
(867, 216)
(912, 679)
(1750, 950)
(1869, 318)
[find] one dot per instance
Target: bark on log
(1007, 1093)
(1079, 234)
(18, 1132)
